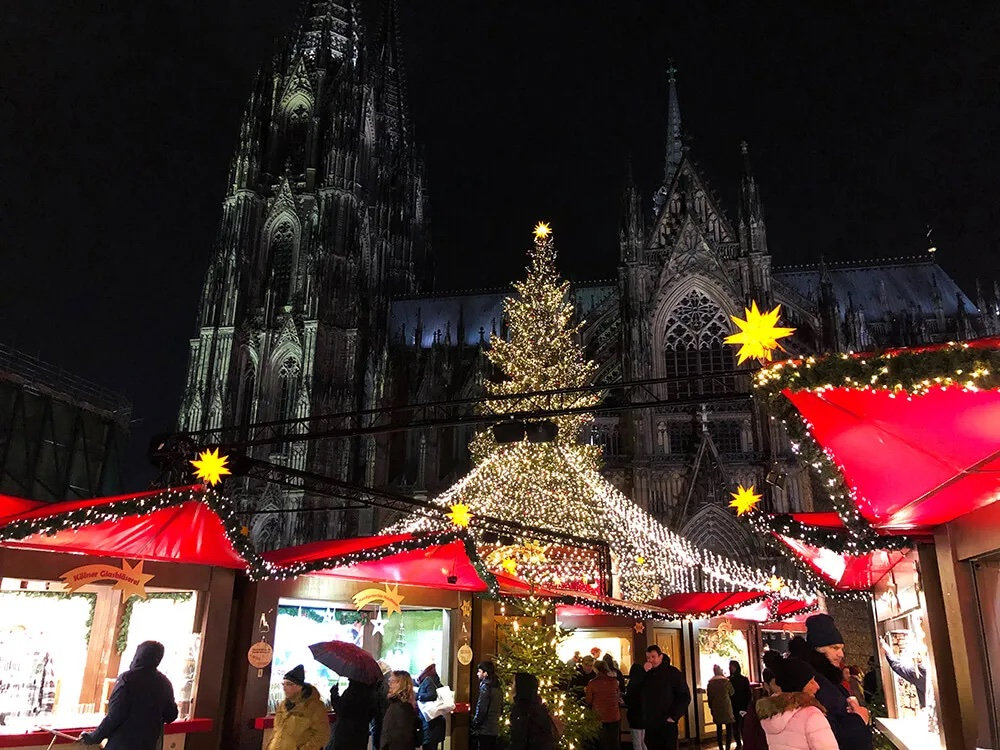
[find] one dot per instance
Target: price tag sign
(259, 656)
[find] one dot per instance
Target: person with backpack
(531, 725)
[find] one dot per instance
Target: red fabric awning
(845, 572)
(708, 603)
(915, 462)
(789, 610)
(429, 563)
(188, 532)
(11, 506)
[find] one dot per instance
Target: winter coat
(489, 704)
(850, 729)
(633, 696)
(665, 695)
(720, 693)
(354, 710)
(531, 726)
(399, 727)
(141, 703)
(795, 721)
(303, 725)
(381, 705)
(754, 737)
(602, 695)
(434, 729)
(741, 693)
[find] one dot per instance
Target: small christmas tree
(532, 648)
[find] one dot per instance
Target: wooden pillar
(215, 607)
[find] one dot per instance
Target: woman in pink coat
(793, 719)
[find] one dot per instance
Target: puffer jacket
(303, 725)
(720, 693)
(486, 719)
(795, 721)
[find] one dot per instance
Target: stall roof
(708, 604)
(175, 525)
(845, 572)
(446, 561)
(12, 506)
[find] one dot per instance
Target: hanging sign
(260, 655)
(131, 580)
(465, 655)
(389, 597)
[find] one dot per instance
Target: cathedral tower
(322, 223)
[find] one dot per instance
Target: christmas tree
(557, 485)
(532, 648)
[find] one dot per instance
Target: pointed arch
(716, 529)
(282, 234)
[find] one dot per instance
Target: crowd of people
(807, 700)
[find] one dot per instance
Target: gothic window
(726, 435)
(297, 116)
(281, 255)
(247, 396)
(694, 348)
(662, 442)
(681, 436)
(288, 377)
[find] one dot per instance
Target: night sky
(118, 119)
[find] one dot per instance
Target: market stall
(82, 583)
(908, 444)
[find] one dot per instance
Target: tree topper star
(744, 499)
(460, 515)
(758, 335)
(211, 467)
(542, 231)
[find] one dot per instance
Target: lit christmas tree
(557, 485)
(532, 649)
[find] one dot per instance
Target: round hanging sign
(465, 655)
(260, 655)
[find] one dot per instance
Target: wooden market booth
(83, 582)
(909, 442)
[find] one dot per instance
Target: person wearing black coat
(141, 703)
(740, 699)
(665, 698)
(354, 710)
(489, 704)
(434, 729)
(381, 704)
(399, 725)
(531, 727)
(847, 721)
(633, 706)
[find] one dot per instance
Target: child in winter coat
(793, 719)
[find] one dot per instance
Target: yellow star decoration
(244, 531)
(638, 627)
(542, 230)
(775, 584)
(466, 609)
(744, 499)
(509, 565)
(132, 581)
(460, 515)
(389, 597)
(640, 560)
(211, 467)
(758, 335)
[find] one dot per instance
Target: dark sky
(117, 120)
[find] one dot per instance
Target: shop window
(411, 641)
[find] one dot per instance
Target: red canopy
(789, 610)
(187, 532)
(11, 506)
(845, 572)
(913, 461)
(708, 604)
(406, 559)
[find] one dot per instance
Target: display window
(410, 640)
(719, 646)
(584, 641)
(62, 651)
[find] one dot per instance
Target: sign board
(130, 579)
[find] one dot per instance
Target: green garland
(121, 642)
(91, 601)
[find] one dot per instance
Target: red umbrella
(348, 661)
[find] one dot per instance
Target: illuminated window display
(409, 641)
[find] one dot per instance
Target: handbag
(443, 705)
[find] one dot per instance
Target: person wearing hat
(793, 719)
(486, 718)
(301, 721)
(848, 719)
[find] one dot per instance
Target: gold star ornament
(211, 467)
(775, 584)
(460, 515)
(744, 499)
(758, 334)
(509, 565)
(638, 627)
(542, 231)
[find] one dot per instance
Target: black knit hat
(297, 675)
(820, 631)
(793, 675)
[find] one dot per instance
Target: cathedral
(317, 301)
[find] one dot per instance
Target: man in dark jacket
(486, 717)
(847, 719)
(354, 710)
(665, 698)
(740, 698)
(140, 704)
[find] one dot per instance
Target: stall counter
(173, 740)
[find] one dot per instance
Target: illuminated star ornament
(744, 499)
(460, 515)
(378, 623)
(775, 584)
(211, 467)
(758, 335)
(509, 565)
(542, 231)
